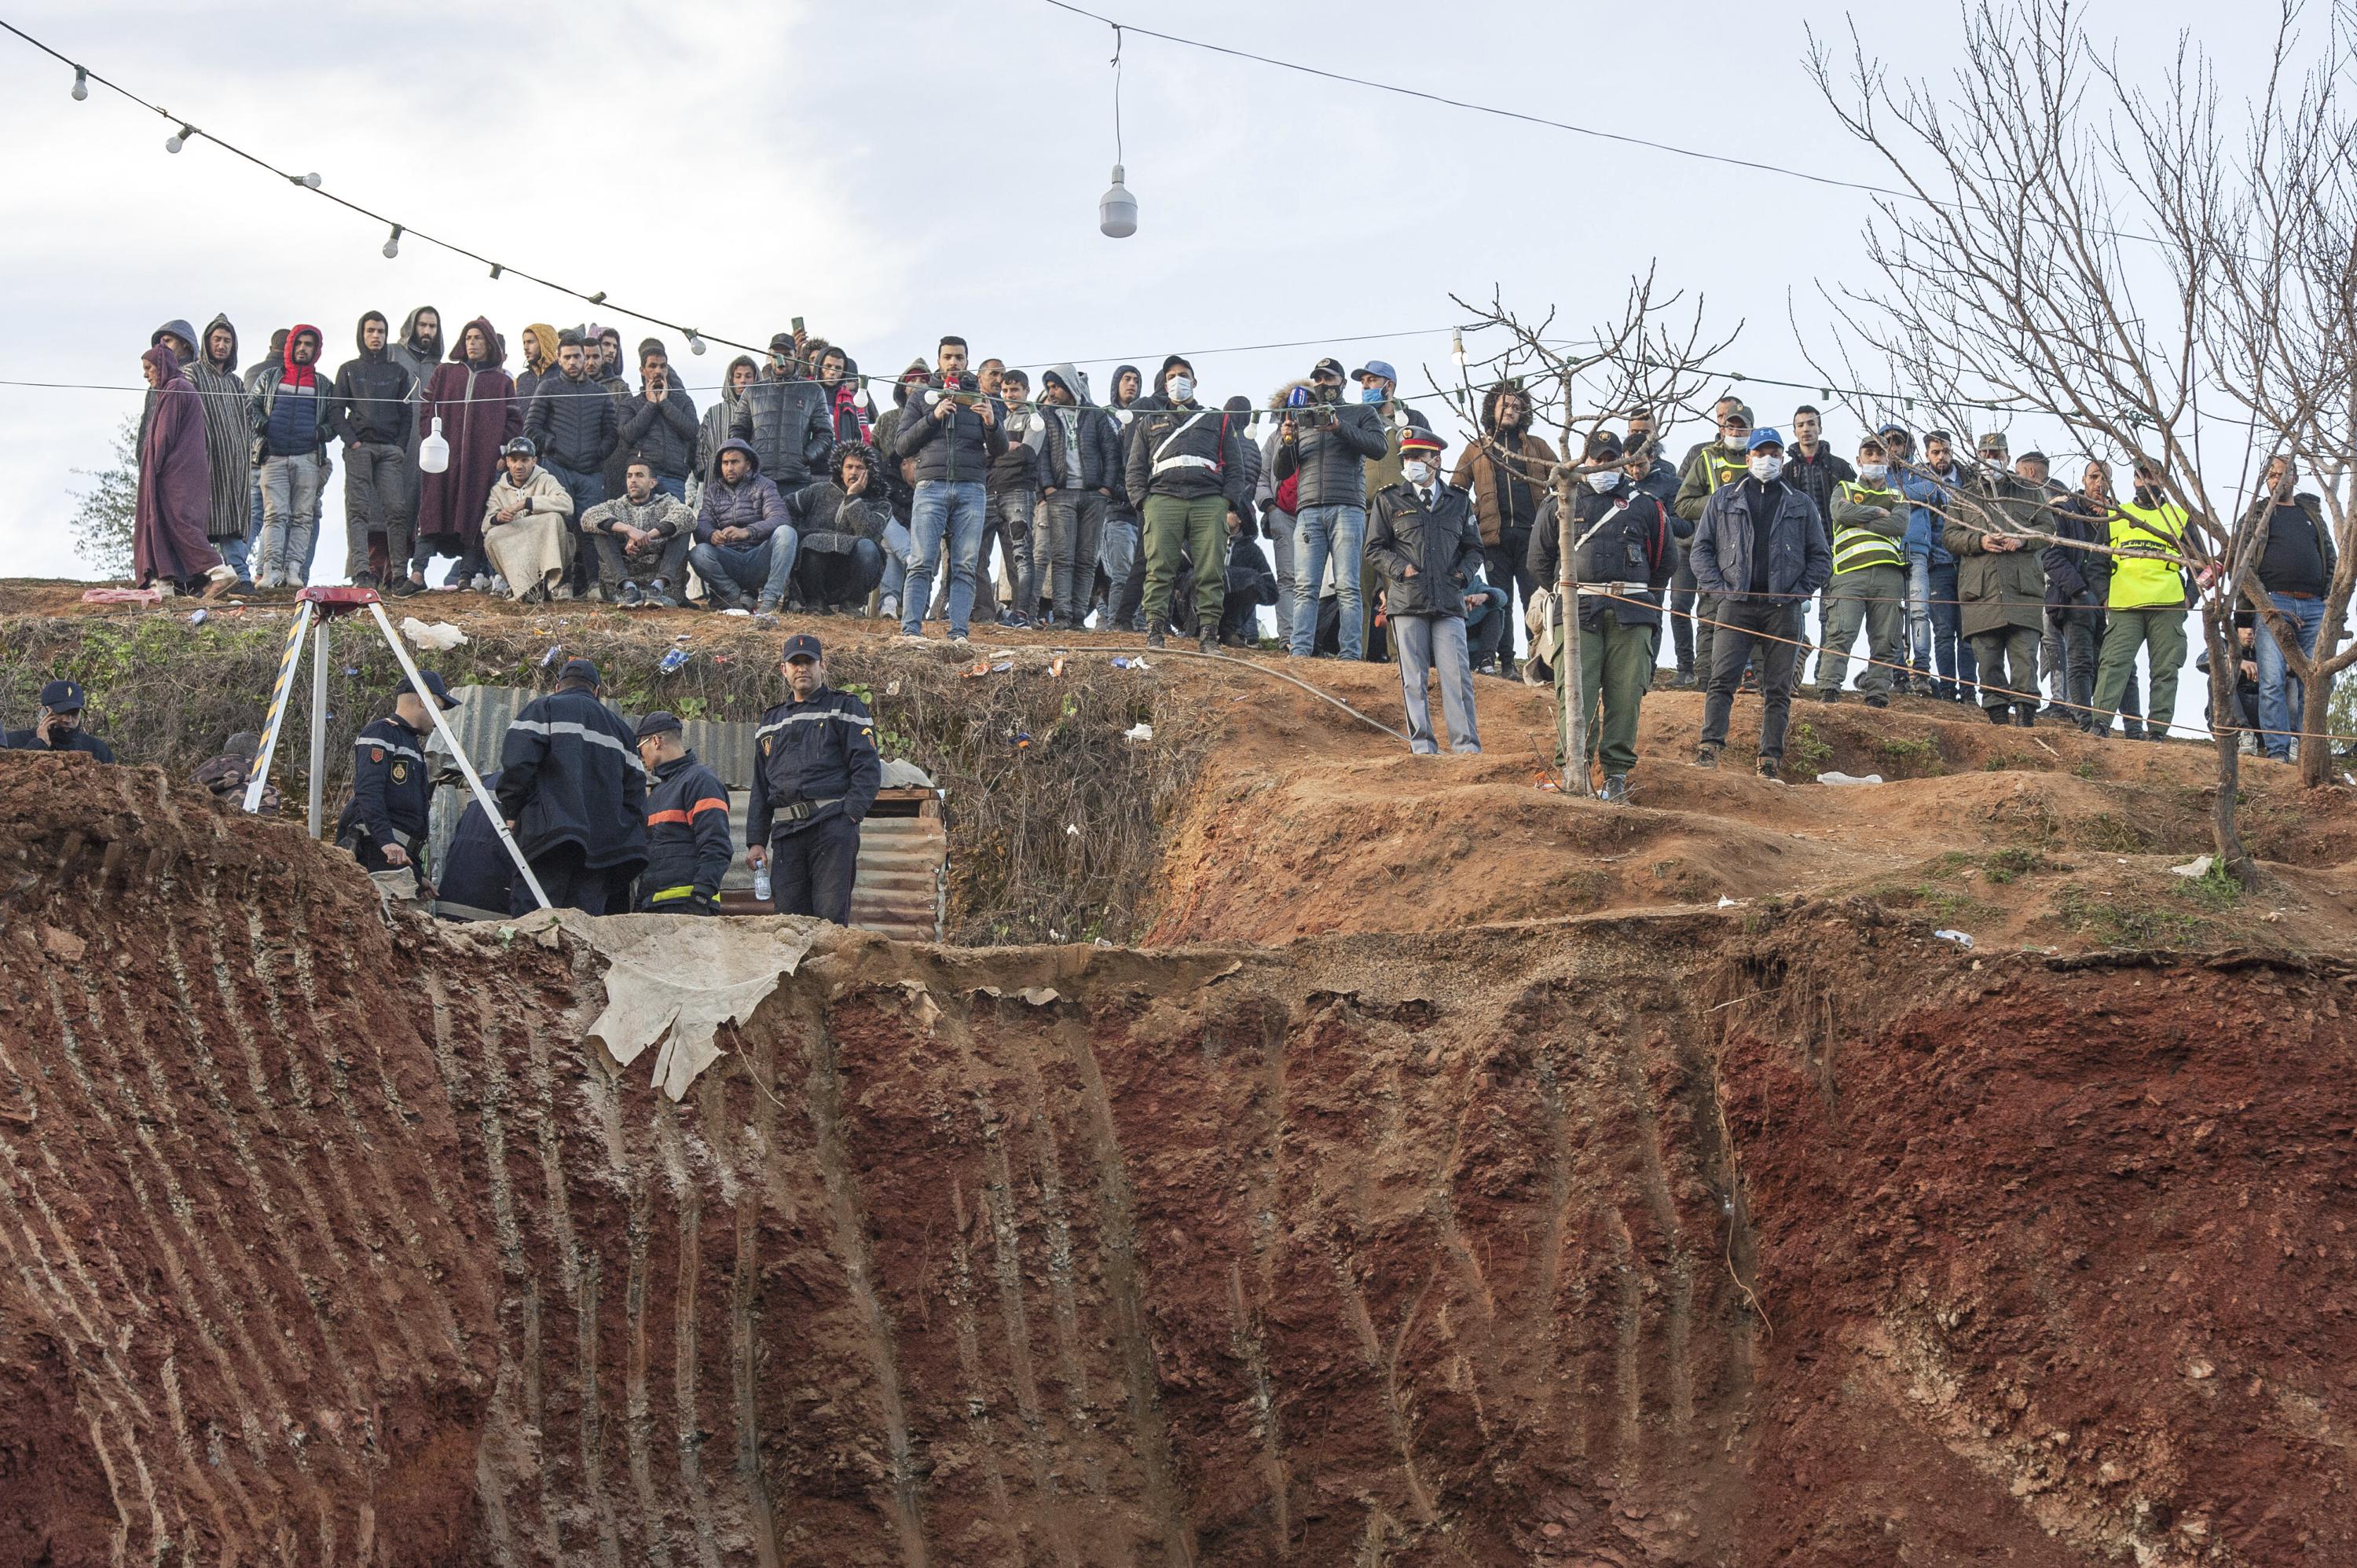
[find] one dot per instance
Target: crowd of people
(1153, 510)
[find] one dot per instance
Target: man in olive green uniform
(2001, 579)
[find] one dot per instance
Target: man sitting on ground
(525, 526)
(642, 537)
(742, 538)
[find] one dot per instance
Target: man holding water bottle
(816, 774)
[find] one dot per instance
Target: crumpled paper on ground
(672, 982)
(432, 637)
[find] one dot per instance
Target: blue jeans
(955, 513)
(1119, 553)
(1935, 626)
(675, 488)
(2281, 692)
(763, 568)
(1321, 531)
(896, 558)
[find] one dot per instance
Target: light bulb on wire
(81, 85)
(392, 243)
(179, 138)
(1116, 208)
(695, 341)
(309, 182)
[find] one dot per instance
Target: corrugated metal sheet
(903, 886)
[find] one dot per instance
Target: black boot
(2002, 715)
(1157, 630)
(2025, 715)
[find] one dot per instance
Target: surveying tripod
(314, 609)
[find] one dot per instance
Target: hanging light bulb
(1118, 210)
(433, 452)
(179, 139)
(695, 341)
(496, 270)
(81, 85)
(392, 243)
(310, 182)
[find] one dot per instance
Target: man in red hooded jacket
(292, 409)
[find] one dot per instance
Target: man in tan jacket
(1507, 471)
(523, 526)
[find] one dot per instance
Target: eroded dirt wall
(1630, 1242)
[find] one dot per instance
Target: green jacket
(1998, 589)
(1711, 468)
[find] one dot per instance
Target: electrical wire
(1621, 136)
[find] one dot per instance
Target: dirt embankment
(1745, 1238)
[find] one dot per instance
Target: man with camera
(1323, 444)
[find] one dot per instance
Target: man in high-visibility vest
(2146, 606)
(1870, 582)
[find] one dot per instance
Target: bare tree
(1652, 358)
(2284, 299)
(2069, 251)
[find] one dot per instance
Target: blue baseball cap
(1766, 435)
(62, 696)
(1376, 367)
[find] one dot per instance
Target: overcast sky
(894, 172)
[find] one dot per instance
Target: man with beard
(229, 440)
(293, 413)
(373, 412)
(1508, 472)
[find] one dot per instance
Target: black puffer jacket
(570, 774)
(1330, 455)
(574, 423)
(372, 394)
(788, 424)
(1188, 451)
(957, 450)
(662, 433)
(1443, 543)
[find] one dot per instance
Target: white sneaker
(478, 583)
(562, 592)
(891, 608)
(499, 585)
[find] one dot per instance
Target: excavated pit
(1781, 1235)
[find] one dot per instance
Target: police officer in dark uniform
(384, 825)
(59, 727)
(688, 846)
(815, 777)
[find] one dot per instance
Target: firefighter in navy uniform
(688, 846)
(384, 825)
(815, 777)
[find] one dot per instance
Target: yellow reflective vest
(2141, 584)
(1856, 549)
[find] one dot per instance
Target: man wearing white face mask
(1186, 477)
(1759, 553)
(1627, 553)
(1424, 542)
(1869, 580)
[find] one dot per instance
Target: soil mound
(1761, 1236)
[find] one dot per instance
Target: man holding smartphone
(59, 726)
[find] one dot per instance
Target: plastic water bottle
(761, 884)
